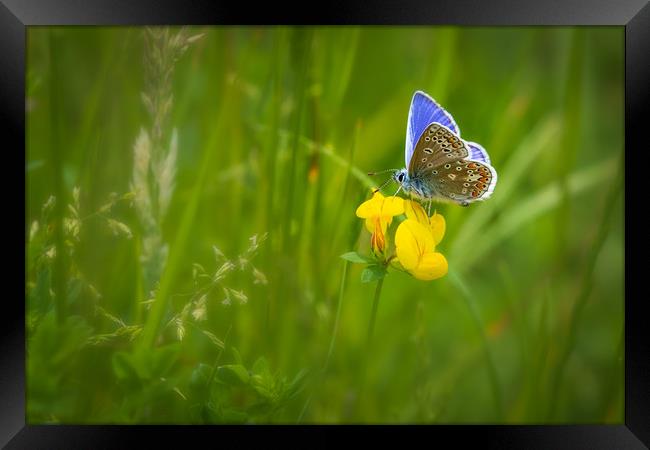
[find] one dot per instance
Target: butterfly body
(439, 164)
(417, 186)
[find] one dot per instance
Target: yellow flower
(415, 247)
(378, 240)
(435, 223)
(380, 209)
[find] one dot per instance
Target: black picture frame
(634, 15)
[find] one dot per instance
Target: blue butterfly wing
(477, 152)
(423, 112)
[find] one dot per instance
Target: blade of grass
(571, 134)
(303, 58)
(177, 249)
(273, 162)
(441, 64)
(60, 262)
(532, 207)
(587, 284)
(329, 151)
(341, 71)
(515, 170)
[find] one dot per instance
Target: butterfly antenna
(382, 186)
(382, 171)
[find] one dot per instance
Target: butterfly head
(401, 176)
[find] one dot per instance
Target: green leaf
(199, 380)
(200, 375)
(237, 356)
(356, 258)
(139, 366)
(233, 374)
(264, 392)
(297, 383)
(261, 367)
(373, 273)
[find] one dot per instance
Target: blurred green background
(195, 277)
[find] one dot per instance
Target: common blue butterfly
(439, 164)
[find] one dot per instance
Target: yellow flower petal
(380, 208)
(412, 241)
(438, 226)
(415, 211)
(378, 240)
(392, 206)
(371, 207)
(432, 266)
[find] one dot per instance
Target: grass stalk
(183, 235)
(571, 135)
(301, 81)
(586, 286)
(60, 262)
(272, 164)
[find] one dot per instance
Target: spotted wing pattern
(445, 166)
(463, 181)
(437, 145)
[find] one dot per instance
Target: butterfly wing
(437, 145)
(477, 152)
(423, 111)
(450, 167)
(464, 181)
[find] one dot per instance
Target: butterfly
(439, 164)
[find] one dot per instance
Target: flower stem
(375, 304)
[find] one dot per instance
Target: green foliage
(373, 272)
(356, 258)
(189, 191)
(235, 394)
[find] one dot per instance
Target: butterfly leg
(430, 206)
(398, 189)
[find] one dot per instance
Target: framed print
(362, 216)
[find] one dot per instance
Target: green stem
(373, 315)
